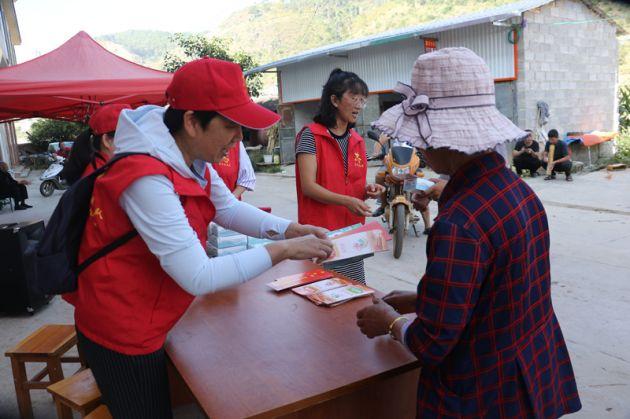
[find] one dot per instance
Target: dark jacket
(486, 335)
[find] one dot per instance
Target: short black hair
(529, 130)
(174, 118)
(553, 133)
(339, 82)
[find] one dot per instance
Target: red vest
(229, 166)
(97, 162)
(330, 175)
(126, 302)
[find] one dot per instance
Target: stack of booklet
(321, 287)
(333, 291)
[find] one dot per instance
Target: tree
(198, 45)
(624, 108)
(45, 131)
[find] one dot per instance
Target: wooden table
(252, 352)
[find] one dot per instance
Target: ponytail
(83, 151)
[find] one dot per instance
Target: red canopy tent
(68, 82)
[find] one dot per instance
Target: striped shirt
(306, 144)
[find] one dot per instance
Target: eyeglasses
(359, 100)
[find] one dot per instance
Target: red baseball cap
(105, 118)
(208, 84)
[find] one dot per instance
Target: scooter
(402, 167)
(51, 178)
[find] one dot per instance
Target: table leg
(63, 411)
(56, 374)
(21, 391)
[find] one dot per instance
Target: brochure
(417, 185)
(358, 228)
(340, 295)
(345, 230)
(303, 278)
(321, 286)
(365, 243)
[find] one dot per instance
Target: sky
(46, 24)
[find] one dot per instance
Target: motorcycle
(51, 178)
(402, 165)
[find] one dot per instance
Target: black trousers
(565, 167)
(18, 192)
(132, 386)
(526, 163)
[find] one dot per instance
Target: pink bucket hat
(450, 104)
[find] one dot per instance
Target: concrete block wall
(370, 114)
(304, 113)
(571, 66)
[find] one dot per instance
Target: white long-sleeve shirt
(246, 174)
(157, 214)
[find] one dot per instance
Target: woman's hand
(374, 190)
(300, 248)
(298, 230)
(357, 207)
(434, 192)
(403, 302)
(374, 320)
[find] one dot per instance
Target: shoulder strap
(107, 249)
(121, 240)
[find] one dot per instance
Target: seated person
(561, 160)
(12, 188)
(527, 155)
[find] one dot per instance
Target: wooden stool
(47, 344)
(101, 412)
(78, 392)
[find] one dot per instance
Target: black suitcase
(17, 267)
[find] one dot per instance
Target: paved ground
(590, 232)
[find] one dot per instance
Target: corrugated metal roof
(486, 16)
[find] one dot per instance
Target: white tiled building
(9, 36)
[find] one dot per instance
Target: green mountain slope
(143, 47)
(274, 29)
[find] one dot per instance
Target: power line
(311, 22)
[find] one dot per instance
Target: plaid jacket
(486, 334)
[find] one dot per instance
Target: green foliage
(148, 46)
(623, 146)
(624, 107)
(45, 131)
(198, 45)
(274, 29)
(618, 10)
(624, 62)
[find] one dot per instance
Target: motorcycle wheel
(47, 188)
(399, 228)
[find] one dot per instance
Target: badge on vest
(358, 161)
(225, 161)
(95, 212)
